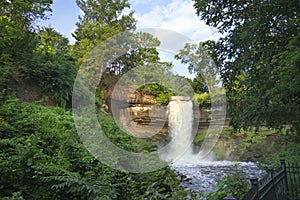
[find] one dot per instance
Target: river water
(201, 171)
(204, 175)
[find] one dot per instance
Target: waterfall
(180, 147)
(199, 167)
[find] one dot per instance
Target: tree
(52, 66)
(101, 20)
(201, 64)
(104, 23)
(198, 84)
(17, 20)
(17, 37)
(141, 51)
(25, 12)
(258, 58)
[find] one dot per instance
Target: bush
(42, 157)
(161, 93)
(202, 99)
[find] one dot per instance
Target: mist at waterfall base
(202, 171)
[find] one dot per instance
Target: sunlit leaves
(258, 64)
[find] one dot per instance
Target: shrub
(202, 99)
(42, 157)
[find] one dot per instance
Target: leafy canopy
(258, 58)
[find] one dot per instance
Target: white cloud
(138, 2)
(150, 19)
(179, 16)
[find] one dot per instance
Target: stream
(204, 175)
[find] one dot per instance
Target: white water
(180, 147)
(203, 177)
(179, 151)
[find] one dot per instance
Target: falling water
(202, 173)
(180, 148)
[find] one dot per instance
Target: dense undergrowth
(41, 157)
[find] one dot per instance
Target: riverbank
(248, 146)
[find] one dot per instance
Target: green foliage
(41, 150)
(198, 84)
(15, 196)
(202, 99)
(252, 137)
(41, 157)
(234, 183)
(141, 52)
(199, 137)
(290, 154)
(219, 154)
(164, 185)
(258, 59)
(205, 99)
(158, 80)
(42, 58)
(200, 63)
(115, 134)
(15, 50)
(17, 33)
(161, 93)
(101, 20)
(32, 137)
(25, 13)
(52, 67)
(5, 70)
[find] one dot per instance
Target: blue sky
(63, 18)
(175, 15)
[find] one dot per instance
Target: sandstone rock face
(138, 98)
(144, 120)
(148, 111)
(138, 113)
